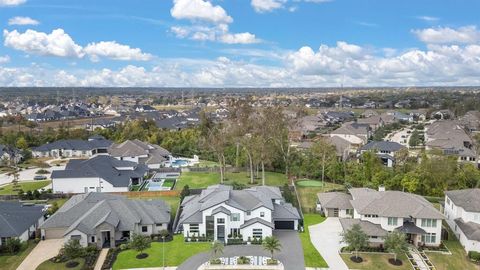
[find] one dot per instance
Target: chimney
(381, 188)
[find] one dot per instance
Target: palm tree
(217, 248)
(271, 244)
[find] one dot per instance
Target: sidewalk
(101, 258)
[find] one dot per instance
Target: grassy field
(308, 195)
(8, 262)
(310, 253)
(48, 265)
(309, 183)
(377, 262)
(205, 179)
(25, 186)
(176, 252)
(458, 259)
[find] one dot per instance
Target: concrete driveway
(291, 254)
(327, 240)
(28, 174)
(43, 251)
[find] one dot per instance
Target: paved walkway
(101, 259)
(43, 251)
(291, 254)
(327, 240)
(418, 259)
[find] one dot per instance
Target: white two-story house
(462, 210)
(221, 213)
(380, 212)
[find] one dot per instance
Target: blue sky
(239, 43)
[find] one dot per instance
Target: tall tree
(395, 242)
(355, 238)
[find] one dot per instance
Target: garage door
(284, 225)
(54, 233)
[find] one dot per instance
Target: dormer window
(262, 214)
(249, 213)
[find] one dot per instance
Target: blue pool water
(180, 163)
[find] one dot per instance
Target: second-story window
(392, 221)
(235, 217)
(262, 214)
(220, 220)
(429, 223)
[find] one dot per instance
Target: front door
(221, 233)
(106, 239)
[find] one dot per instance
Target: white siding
(78, 185)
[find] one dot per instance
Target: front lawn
(205, 179)
(376, 262)
(308, 195)
(11, 262)
(310, 253)
(48, 265)
(176, 252)
(25, 186)
(458, 259)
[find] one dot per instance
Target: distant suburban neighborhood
(351, 179)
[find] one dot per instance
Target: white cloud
(428, 18)
(447, 35)
(262, 6)
(11, 2)
(115, 51)
(199, 10)
(57, 43)
(22, 21)
(4, 59)
(60, 44)
(219, 33)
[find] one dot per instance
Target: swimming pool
(155, 186)
(180, 163)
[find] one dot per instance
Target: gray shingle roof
(285, 211)
(257, 220)
(245, 200)
(367, 227)
(338, 200)
(392, 204)
(79, 145)
(382, 146)
(16, 218)
(104, 167)
(470, 229)
(468, 199)
(87, 211)
(133, 148)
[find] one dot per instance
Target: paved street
(27, 175)
(327, 240)
(43, 251)
(291, 254)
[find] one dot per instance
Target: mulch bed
(142, 256)
(72, 264)
(356, 259)
(395, 262)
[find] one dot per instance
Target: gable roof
(74, 145)
(392, 204)
(367, 227)
(106, 167)
(352, 128)
(16, 218)
(468, 199)
(470, 229)
(245, 200)
(85, 212)
(133, 148)
(338, 200)
(382, 146)
(256, 220)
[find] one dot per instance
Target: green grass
(205, 179)
(176, 252)
(376, 262)
(173, 201)
(308, 195)
(168, 183)
(310, 253)
(48, 265)
(25, 186)
(309, 183)
(11, 262)
(458, 259)
(206, 163)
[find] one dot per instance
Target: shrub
(139, 242)
(474, 256)
(72, 249)
(13, 245)
(124, 247)
(243, 260)
(215, 261)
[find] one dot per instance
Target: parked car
(39, 177)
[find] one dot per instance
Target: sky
(239, 43)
